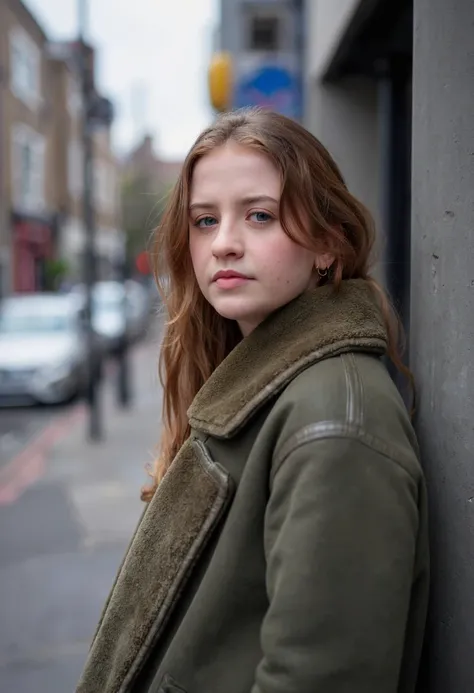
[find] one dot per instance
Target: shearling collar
(317, 325)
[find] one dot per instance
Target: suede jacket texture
(286, 549)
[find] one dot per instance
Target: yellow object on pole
(220, 81)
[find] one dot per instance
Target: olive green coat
(285, 551)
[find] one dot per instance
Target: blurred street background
(99, 103)
(66, 516)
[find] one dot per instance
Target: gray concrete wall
(442, 325)
(344, 117)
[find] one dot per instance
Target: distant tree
(142, 209)
(56, 271)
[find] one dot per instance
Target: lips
(230, 279)
(228, 274)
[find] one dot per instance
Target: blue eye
(206, 222)
(261, 217)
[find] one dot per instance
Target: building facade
(146, 181)
(143, 162)
(69, 160)
(41, 160)
(28, 221)
(264, 40)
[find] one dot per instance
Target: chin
(235, 309)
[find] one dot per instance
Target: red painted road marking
(29, 465)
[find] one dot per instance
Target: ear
(324, 261)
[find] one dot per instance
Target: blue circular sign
(272, 87)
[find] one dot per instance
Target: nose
(228, 241)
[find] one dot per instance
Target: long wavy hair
(316, 210)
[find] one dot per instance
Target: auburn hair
(316, 210)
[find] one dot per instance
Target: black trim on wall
(379, 29)
(394, 88)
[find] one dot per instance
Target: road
(64, 532)
(20, 425)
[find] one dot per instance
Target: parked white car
(120, 312)
(139, 302)
(42, 349)
(111, 315)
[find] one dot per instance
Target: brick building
(27, 216)
(41, 162)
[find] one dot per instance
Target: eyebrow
(252, 199)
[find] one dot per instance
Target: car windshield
(14, 323)
(109, 303)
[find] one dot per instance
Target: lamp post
(124, 393)
(89, 268)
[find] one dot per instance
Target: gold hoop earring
(322, 272)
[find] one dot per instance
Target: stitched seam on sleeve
(334, 429)
(349, 392)
(359, 385)
(354, 391)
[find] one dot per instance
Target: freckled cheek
(279, 261)
(200, 253)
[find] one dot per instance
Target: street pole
(124, 393)
(89, 268)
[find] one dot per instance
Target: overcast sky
(152, 62)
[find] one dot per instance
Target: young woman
(284, 544)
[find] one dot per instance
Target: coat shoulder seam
(335, 429)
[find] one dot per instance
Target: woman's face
(245, 264)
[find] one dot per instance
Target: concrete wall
(442, 326)
(343, 115)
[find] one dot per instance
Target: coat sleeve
(340, 539)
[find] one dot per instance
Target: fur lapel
(169, 539)
(316, 325)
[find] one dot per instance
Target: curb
(25, 468)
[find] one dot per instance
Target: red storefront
(32, 246)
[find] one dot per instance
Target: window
(25, 63)
(105, 186)
(28, 169)
(5, 272)
(74, 96)
(100, 185)
(75, 168)
(112, 189)
(264, 33)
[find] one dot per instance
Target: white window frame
(25, 68)
(28, 186)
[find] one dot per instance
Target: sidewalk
(62, 539)
(104, 479)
